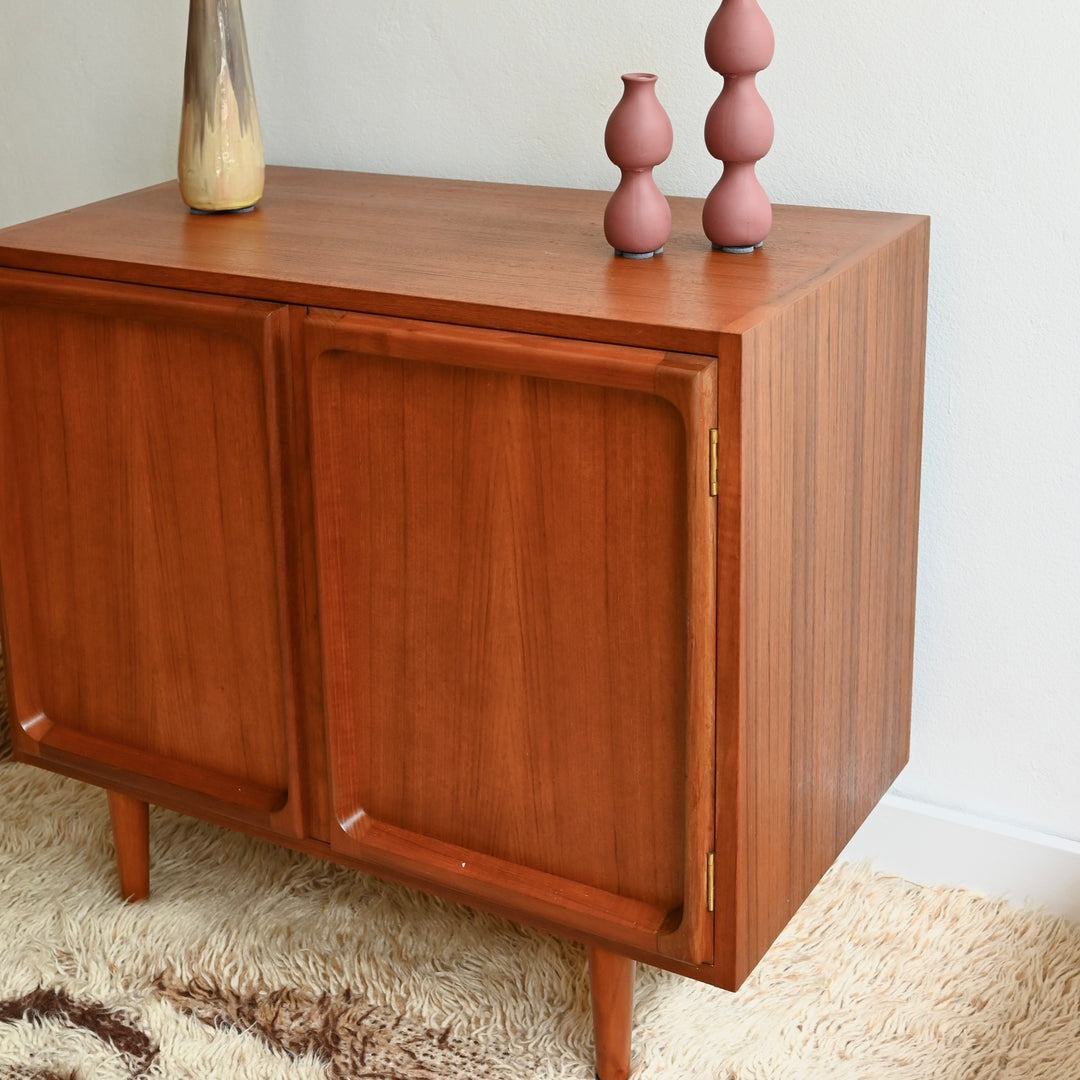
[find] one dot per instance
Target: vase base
(733, 250)
(227, 210)
(638, 254)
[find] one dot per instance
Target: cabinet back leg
(131, 837)
(611, 979)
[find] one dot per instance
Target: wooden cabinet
(399, 522)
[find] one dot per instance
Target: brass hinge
(714, 462)
(710, 881)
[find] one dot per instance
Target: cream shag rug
(253, 963)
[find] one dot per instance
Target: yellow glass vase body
(220, 163)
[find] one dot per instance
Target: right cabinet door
(516, 568)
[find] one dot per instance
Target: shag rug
(253, 963)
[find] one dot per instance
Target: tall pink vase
(638, 137)
(739, 127)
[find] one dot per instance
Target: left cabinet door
(143, 543)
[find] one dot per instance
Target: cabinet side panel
(832, 424)
(146, 630)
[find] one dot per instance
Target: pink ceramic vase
(739, 127)
(638, 136)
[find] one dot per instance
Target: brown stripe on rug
(109, 1025)
(18, 1072)
(353, 1038)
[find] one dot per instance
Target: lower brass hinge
(714, 461)
(710, 881)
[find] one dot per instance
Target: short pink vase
(739, 127)
(638, 137)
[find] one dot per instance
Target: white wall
(89, 100)
(964, 111)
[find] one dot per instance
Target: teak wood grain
(822, 473)
(517, 555)
(143, 562)
(511, 257)
(377, 522)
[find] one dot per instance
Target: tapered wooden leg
(131, 837)
(611, 978)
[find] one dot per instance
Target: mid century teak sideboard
(399, 522)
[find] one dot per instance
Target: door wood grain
(143, 538)
(516, 549)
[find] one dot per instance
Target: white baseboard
(932, 846)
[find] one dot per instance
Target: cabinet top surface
(511, 257)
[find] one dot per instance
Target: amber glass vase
(220, 164)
